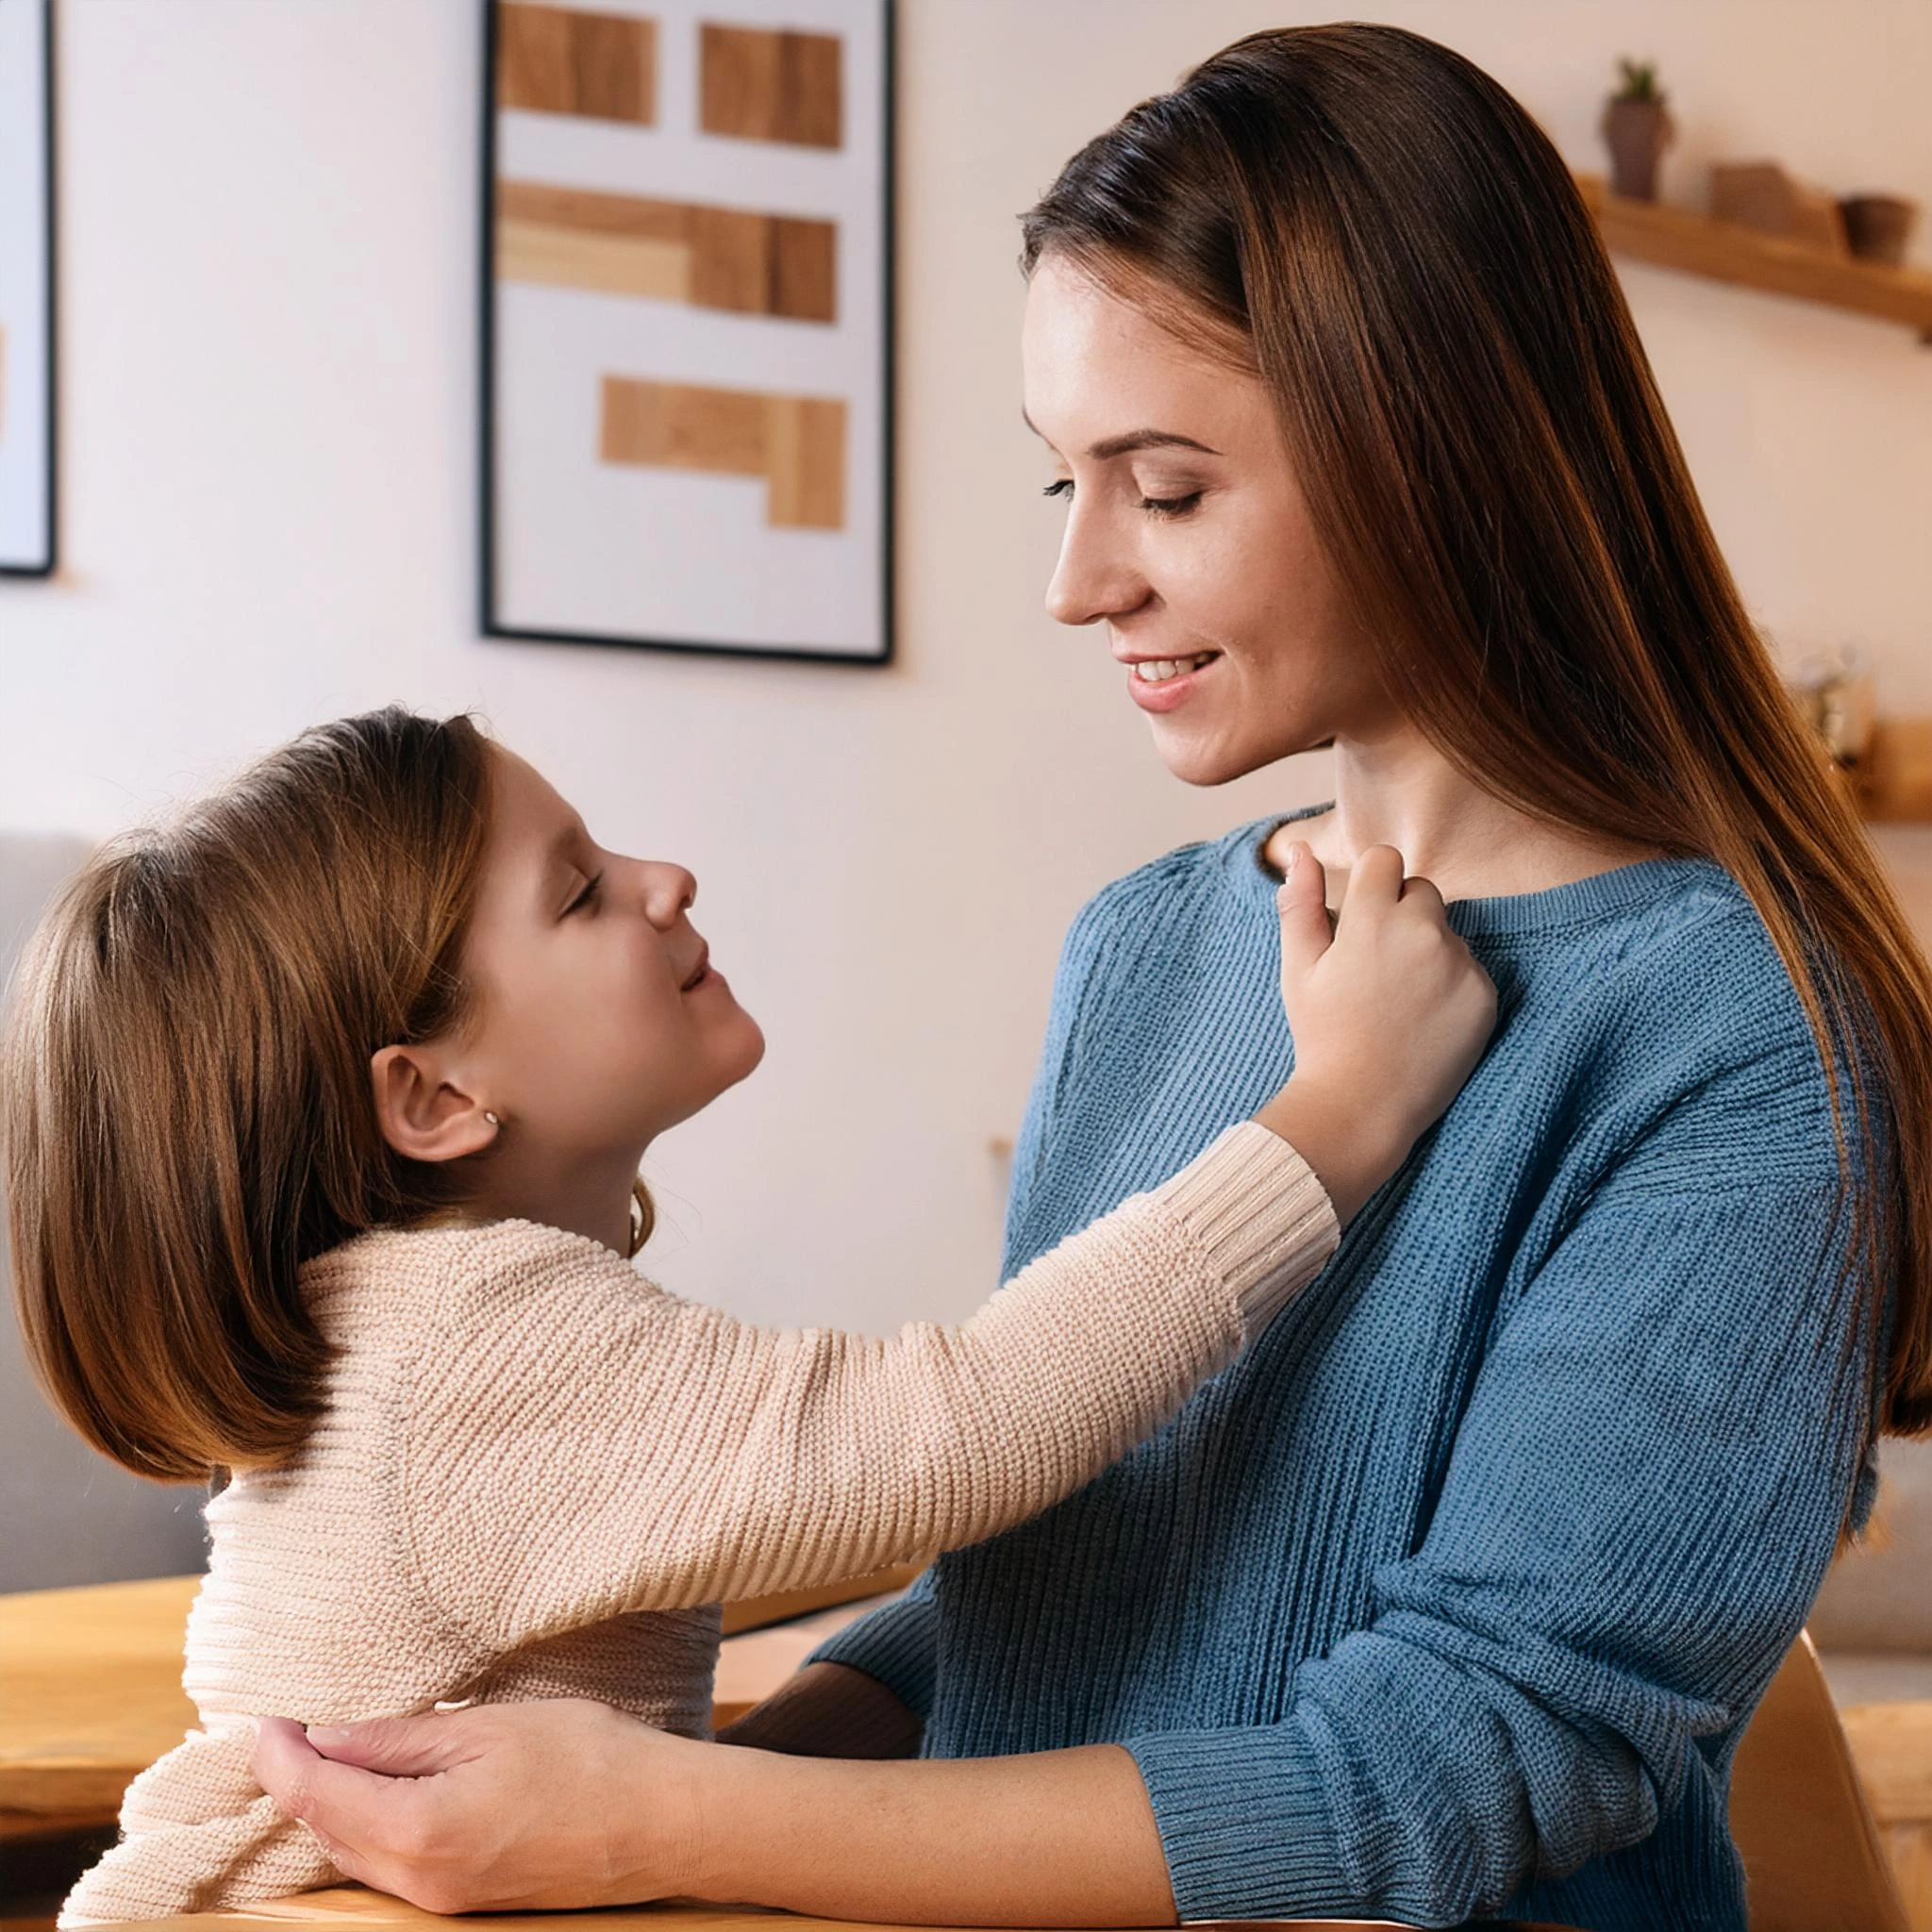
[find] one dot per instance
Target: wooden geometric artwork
(558, 62)
(770, 86)
(27, 289)
(628, 245)
(797, 443)
(687, 325)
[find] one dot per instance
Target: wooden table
(355, 1910)
(90, 1685)
(90, 1693)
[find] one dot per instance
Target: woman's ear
(424, 1115)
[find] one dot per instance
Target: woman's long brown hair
(1380, 228)
(185, 1092)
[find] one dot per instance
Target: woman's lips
(1168, 692)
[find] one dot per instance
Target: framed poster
(687, 325)
(27, 287)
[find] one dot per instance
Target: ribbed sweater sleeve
(898, 1644)
(579, 1444)
(1530, 1688)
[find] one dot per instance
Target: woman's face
(598, 1021)
(1188, 534)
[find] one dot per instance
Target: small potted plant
(1638, 128)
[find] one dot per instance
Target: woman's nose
(1092, 579)
(669, 892)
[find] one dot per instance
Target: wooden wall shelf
(1894, 781)
(1696, 245)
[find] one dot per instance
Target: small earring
(492, 1118)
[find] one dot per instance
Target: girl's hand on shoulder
(1389, 1012)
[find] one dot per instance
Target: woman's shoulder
(1670, 1010)
(1206, 882)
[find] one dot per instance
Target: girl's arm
(579, 1444)
(576, 1444)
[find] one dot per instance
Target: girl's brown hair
(185, 1090)
(1378, 227)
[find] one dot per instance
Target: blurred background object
(1836, 693)
(1877, 227)
(1759, 194)
(1637, 130)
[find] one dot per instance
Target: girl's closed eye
(586, 897)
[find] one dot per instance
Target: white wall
(268, 226)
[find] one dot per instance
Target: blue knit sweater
(1450, 1599)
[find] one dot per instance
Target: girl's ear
(423, 1114)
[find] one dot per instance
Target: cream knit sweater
(536, 1476)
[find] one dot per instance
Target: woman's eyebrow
(1133, 440)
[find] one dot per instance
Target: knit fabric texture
(536, 1476)
(1452, 1597)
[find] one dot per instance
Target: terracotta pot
(1878, 225)
(1636, 133)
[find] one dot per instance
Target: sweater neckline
(1606, 894)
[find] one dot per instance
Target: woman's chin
(1204, 759)
(1202, 751)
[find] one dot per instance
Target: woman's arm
(563, 1805)
(829, 1710)
(1644, 1495)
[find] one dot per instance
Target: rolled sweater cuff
(1245, 1826)
(1261, 1218)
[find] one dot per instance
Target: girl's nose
(669, 892)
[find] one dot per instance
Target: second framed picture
(27, 289)
(687, 325)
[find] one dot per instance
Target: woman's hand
(504, 1807)
(524, 1805)
(1390, 1013)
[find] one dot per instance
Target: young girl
(323, 1107)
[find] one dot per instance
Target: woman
(1454, 1599)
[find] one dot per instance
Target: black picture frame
(45, 564)
(493, 625)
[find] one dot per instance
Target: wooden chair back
(1814, 1859)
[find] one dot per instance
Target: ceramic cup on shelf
(1878, 225)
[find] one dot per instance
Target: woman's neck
(1396, 789)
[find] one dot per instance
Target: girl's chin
(747, 1047)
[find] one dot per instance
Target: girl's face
(1188, 534)
(598, 1021)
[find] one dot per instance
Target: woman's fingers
(504, 1805)
(352, 1811)
(1303, 904)
(396, 1746)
